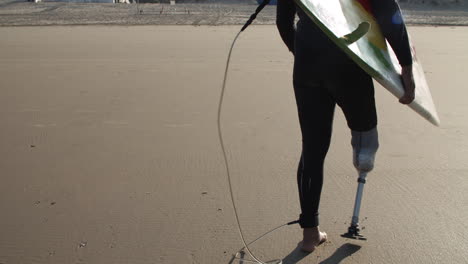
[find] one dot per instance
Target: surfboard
(351, 25)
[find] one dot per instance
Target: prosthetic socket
(365, 145)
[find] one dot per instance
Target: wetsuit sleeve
(285, 14)
(388, 15)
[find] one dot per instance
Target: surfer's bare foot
(408, 84)
(312, 239)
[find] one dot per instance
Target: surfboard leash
(223, 148)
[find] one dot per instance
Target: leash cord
(220, 135)
(226, 163)
(221, 99)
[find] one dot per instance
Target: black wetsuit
(323, 77)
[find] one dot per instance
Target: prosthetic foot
(365, 145)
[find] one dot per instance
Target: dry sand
(109, 151)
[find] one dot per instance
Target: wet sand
(109, 151)
(231, 12)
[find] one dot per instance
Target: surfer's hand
(408, 84)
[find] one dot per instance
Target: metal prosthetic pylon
(354, 229)
(365, 145)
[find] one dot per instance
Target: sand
(109, 151)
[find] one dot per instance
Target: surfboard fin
(358, 33)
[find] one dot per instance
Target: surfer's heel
(365, 145)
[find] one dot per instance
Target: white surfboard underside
(338, 18)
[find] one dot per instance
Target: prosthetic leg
(365, 145)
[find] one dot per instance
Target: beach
(110, 153)
(213, 13)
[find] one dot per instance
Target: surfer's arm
(388, 15)
(285, 14)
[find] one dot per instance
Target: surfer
(324, 76)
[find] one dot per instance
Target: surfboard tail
(430, 116)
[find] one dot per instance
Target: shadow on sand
(340, 254)
(297, 255)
